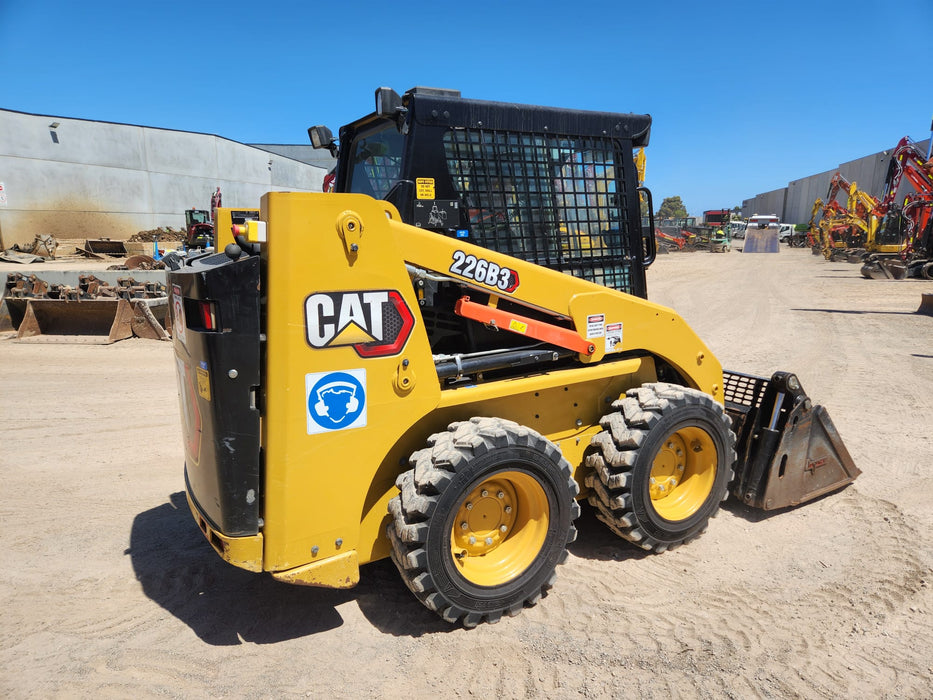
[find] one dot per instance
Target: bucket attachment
(89, 321)
(884, 269)
(761, 241)
(104, 246)
(926, 304)
(91, 311)
(789, 451)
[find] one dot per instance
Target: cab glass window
(375, 160)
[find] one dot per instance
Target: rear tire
(482, 520)
(662, 465)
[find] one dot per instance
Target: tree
(672, 208)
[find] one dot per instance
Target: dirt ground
(108, 589)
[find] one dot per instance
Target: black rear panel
(216, 334)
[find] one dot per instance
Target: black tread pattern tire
(439, 480)
(624, 453)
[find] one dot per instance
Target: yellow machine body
(326, 493)
(437, 360)
(224, 220)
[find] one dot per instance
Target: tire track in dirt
(668, 606)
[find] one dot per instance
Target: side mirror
(322, 137)
(388, 102)
(649, 244)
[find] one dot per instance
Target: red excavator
(911, 219)
(199, 230)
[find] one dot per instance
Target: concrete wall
(798, 197)
(767, 203)
(320, 157)
(801, 194)
(88, 179)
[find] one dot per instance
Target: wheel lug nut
(652, 480)
(503, 528)
(463, 525)
(501, 494)
(508, 509)
(670, 445)
(489, 540)
(673, 482)
(680, 467)
(680, 453)
(661, 487)
(472, 539)
(469, 506)
(484, 493)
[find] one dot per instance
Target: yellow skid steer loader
(440, 360)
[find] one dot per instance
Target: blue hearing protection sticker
(335, 400)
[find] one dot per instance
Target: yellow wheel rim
(683, 473)
(500, 529)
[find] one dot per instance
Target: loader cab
(554, 187)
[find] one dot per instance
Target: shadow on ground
(858, 312)
(225, 605)
(597, 542)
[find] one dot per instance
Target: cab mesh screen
(552, 200)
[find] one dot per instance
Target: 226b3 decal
(376, 323)
(484, 271)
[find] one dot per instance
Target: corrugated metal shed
(794, 202)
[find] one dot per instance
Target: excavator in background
(909, 223)
(863, 205)
(199, 229)
(815, 235)
(918, 211)
(845, 229)
(437, 361)
(829, 228)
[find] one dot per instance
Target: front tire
(482, 520)
(662, 465)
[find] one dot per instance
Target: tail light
(202, 316)
(208, 315)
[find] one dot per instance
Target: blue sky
(745, 96)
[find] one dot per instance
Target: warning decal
(178, 315)
(204, 383)
(596, 325)
(613, 337)
(424, 187)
